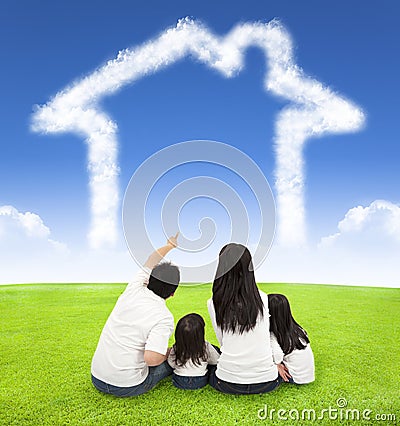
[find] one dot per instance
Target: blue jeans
(189, 382)
(155, 375)
(239, 388)
(283, 381)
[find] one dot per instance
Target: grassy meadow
(49, 333)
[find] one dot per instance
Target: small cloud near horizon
(365, 251)
(368, 227)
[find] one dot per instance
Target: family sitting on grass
(261, 345)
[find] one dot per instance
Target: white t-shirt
(191, 369)
(246, 358)
(139, 321)
(300, 362)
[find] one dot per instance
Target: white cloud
(17, 227)
(29, 223)
(315, 110)
(365, 251)
(376, 223)
(26, 245)
(28, 253)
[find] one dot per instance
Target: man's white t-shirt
(139, 321)
(246, 358)
(300, 362)
(191, 369)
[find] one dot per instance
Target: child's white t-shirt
(300, 362)
(191, 369)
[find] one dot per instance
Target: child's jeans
(189, 382)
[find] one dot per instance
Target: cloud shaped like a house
(314, 110)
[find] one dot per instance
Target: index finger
(176, 235)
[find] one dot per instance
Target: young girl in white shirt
(290, 344)
(191, 354)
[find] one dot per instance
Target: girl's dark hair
(236, 298)
(189, 340)
(289, 334)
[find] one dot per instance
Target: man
(131, 355)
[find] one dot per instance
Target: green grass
(49, 334)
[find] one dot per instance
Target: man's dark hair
(164, 279)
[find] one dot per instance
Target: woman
(240, 317)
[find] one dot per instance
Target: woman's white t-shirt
(191, 369)
(246, 358)
(300, 362)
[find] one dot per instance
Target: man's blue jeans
(155, 375)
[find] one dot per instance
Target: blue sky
(351, 47)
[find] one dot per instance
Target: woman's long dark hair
(289, 334)
(236, 298)
(189, 340)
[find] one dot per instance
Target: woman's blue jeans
(239, 388)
